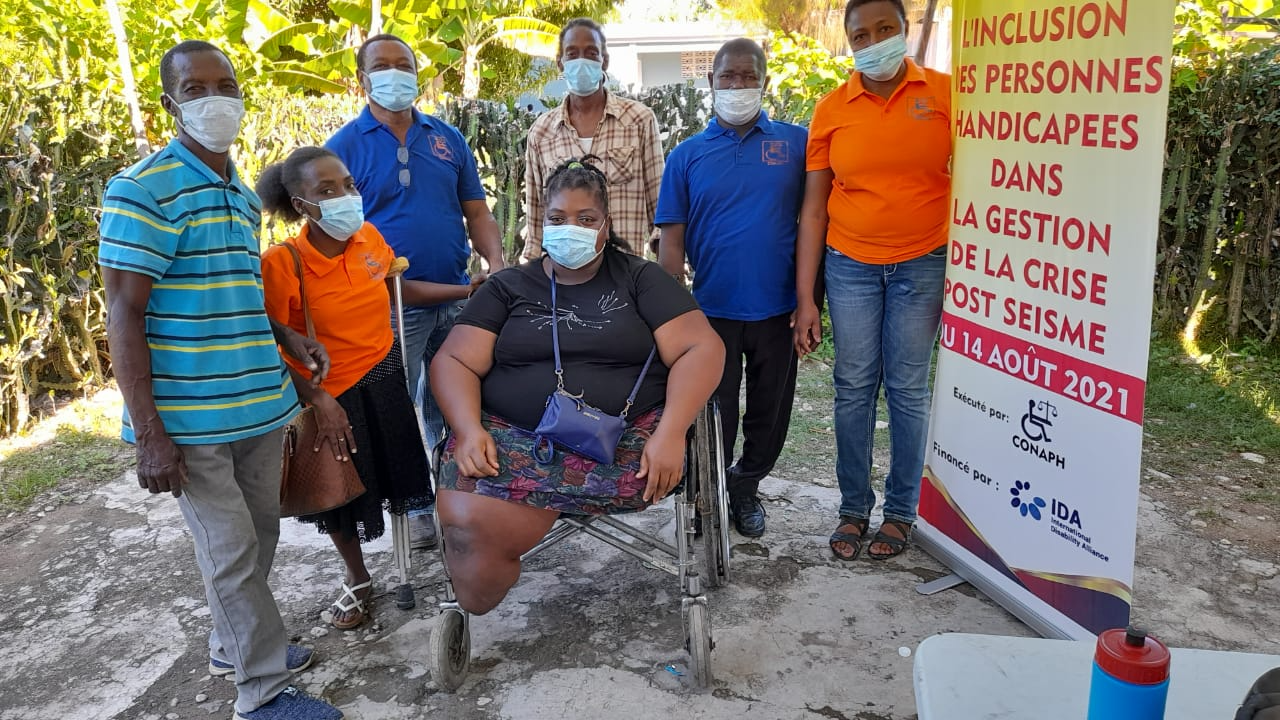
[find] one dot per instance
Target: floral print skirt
(570, 483)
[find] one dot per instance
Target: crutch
(400, 523)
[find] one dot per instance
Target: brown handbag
(310, 481)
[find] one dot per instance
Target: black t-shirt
(606, 333)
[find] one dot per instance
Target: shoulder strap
(555, 332)
(302, 288)
(639, 381)
(555, 347)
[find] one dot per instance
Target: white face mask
(571, 246)
(583, 75)
(738, 107)
(881, 61)
(212, 121)
(340, 217)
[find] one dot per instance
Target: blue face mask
(583, 76)
(881, 61)
(340, 217)
(393, 89)
(570, 246)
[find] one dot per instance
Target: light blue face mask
(583, 75)
(340, 217)
(881, 61)
(570, 246)
(393, 89)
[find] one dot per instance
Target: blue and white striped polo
(216, 373)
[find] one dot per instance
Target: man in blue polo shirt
(196, 359)
(729, 201)
(422, 191)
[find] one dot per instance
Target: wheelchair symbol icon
(1035, 426)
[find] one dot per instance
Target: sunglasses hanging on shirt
(402, 157)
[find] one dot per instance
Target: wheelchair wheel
(450, 650)
(713, 497)
(698, 637)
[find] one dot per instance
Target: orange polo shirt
(891, 161)
(348, 298)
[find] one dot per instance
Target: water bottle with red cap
(1130, 676)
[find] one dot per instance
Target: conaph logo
(1026, 505)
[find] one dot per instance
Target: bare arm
(810, 241)
(486, 237)
(690, 347)
(161, 467)
(671, 249)
(421, 292)
(456, 371)
(309, 352)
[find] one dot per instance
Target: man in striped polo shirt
(206, 394)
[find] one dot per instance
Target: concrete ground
(105, 618)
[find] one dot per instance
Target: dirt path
(106, 618)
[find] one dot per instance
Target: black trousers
(766, 350)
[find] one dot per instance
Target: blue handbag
(568, 421)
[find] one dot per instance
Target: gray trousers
(231, 503)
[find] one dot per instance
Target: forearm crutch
(400, 523)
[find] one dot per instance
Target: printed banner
(1031, 477)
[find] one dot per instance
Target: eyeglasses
(402, 157)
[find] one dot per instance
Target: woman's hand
(476, 453)
(806, 328)
(662, 463)
(332, 426)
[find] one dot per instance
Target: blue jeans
(884, 321)
(425, 329)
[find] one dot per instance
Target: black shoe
(747, 514)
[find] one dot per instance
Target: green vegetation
(71, 116)
(86, 448)
(1227, 401)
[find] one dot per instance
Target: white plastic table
(987, 677)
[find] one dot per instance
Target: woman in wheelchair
(500, 486)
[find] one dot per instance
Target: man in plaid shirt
(622, 133)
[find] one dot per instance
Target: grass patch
(84, 447)
(1225, 400)
(811, 439)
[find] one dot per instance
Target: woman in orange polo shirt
(875, 203)
(363, 410)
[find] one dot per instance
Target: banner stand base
(933, 587)
(961, 569)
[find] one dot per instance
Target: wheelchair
(702, 519)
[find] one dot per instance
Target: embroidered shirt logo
(775, 152)
(375, 268)
(440, 147)
(923, 108)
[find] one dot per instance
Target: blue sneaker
(297, 659)
(293, 704)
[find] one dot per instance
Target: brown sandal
(854, 541)
(896, 544)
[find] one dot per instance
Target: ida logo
(1026, 505)
(1032, 506)
(1065, 514)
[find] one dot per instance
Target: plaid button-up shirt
(630, 152)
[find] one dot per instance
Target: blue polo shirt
(739, 199)
(216, 374)
(422, 222)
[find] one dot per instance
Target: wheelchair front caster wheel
(698, 638)
(450, 650)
